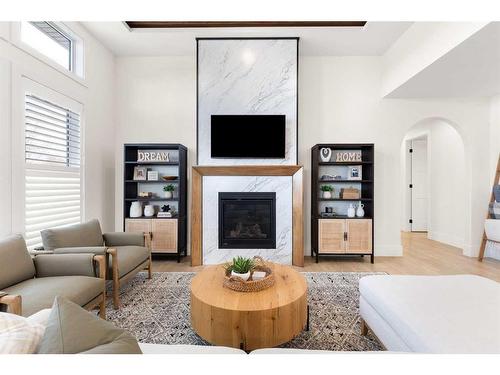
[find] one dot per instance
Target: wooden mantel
(295, 171)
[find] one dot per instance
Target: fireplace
(247, 220)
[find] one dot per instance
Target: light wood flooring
(421, 256)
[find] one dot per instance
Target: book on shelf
(164, 214)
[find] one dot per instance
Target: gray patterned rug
(157, 311)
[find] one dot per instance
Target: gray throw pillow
(71, 329)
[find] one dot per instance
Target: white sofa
(433, 314)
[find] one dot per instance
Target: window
(52, 167)
(54, 42)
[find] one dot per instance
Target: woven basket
(238, 284)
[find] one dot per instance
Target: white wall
(494, 134)
(447, 209)
(95, 93)
(421, 45)
(339, 101)
(155, 102)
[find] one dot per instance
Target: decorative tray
(238, 284)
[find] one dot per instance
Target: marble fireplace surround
(201, 241)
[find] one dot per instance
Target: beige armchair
(126, 253)
(28, 285)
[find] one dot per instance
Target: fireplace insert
(247, 220)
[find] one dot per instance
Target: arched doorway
(434, 182)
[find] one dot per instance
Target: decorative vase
(360, 212)
(136, 209)
(168, 194)
(149, 210)
(351, 212)
(244, 276)
(327, 194)
(325, 154)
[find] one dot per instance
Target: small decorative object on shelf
(153, 156)
(260, 275)
(355, 172)
(326, 154)
(330, 177)
(169, 178)
(351, 212)
(145, 194)
(136, 209)
(327, 191)
(152, 175)
(140, 173)
(149, 210)
(346, 156)
(168, 191)
(349, 193)
(360, 212)
(165, 212)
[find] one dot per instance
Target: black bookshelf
(176, 166)
(365, 185)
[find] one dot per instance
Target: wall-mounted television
(248, 136)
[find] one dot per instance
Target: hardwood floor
(421, 256)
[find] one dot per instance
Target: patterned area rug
(157, 311)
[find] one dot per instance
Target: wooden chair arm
(147, 239)
(101, 263)
(13, 302)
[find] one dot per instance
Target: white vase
(360, 212)
(244, 276)
(168, 194)
(136, 209)
(149, 210)
(327, 194)
(351, 212)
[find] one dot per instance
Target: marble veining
(247, 77)
(212, 185)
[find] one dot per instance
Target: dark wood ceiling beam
(221, 24)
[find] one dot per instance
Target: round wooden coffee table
(250, 320)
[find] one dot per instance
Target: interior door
(359, 236)
(331, 236)
(419, 197)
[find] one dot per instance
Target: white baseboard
(447, 239)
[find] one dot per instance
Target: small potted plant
(169, 191)
(240, 267)
(327, 191)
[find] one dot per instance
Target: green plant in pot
(240, 267)
(169, 191)
(327, 191)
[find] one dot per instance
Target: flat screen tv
(248, 136)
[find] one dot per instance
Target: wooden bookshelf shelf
(169, 235)
(340, 234)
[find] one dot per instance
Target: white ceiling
(472, 69)
(371, 40)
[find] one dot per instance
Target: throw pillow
(71, 329)
(18, 335)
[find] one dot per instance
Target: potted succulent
(327, 191)
(169, 191)
(240, 267)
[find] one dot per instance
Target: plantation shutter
(52, 173)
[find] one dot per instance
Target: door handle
(345, 236)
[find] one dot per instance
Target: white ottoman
(433, 314)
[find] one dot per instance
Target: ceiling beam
(221, 24)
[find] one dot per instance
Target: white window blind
(52, 173)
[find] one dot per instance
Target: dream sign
(152, 155)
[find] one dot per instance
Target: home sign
(344, 156)
(152, 155)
